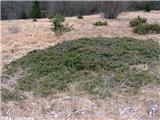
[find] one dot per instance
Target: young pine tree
(36, 11)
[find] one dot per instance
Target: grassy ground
(38, 35)
(8, 95)
(97, 65)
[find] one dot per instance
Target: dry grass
(38, 35)
(74, 106)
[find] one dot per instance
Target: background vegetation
(100, 23)
(13, 9)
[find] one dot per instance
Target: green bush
(57, 22)
(99, 66)
(58, 26)
(138, 20)
(100, 23)
(146, 28)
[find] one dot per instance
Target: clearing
(124, 66)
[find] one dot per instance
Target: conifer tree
(36, 11)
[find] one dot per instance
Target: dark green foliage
(137, 21)
(99, 66)
(141, 27)
(57, 22)
(80, 17)
(34, 20)
(146, 28)
(121, 80)
(100, 23)
(23, 14)
(12, 9)
(147, 7)
(36, 11)
(58, 26)
(7, 95)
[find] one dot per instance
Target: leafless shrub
(111, 9)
